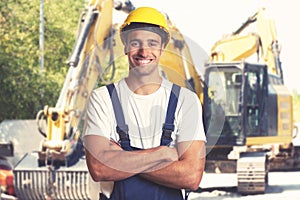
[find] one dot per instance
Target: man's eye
(134, 44)
(153, 44)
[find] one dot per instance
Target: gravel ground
(223, 186)
(282, 185)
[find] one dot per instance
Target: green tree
(296, 106)
(25, 89)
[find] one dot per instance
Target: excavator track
(252, 173)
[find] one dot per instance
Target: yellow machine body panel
(177, 63)
(283, 117)
(285, 111)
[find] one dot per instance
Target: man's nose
(144, 50)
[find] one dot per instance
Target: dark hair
(144, 26)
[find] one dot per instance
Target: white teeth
(143, 62)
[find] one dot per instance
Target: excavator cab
(247, 113)
(254, 98)
(235, 111)
(230, 90)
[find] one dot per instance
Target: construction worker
(143, 133)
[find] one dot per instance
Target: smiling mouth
(143, 61)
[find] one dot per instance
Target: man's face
(144, 49)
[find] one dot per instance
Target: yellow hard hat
(147, 15)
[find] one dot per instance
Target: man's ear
(125, 50)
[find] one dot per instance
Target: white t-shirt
(145, 115)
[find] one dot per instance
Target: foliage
(296, 106)
(25, 87)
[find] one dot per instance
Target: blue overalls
(135, 187)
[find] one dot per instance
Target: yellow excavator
(57, 170)
(248, 111)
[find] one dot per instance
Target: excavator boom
(58, 169)
(262, 42)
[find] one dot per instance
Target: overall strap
(122, 127)
(168, 126)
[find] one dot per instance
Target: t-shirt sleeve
(98, 119)
(190, 120)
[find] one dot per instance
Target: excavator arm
(58, 169)
(86, 64)
(263, 42)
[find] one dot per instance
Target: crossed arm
(181, 168)
(186, 172)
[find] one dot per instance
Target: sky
(205, 21)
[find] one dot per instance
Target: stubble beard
(144, 71)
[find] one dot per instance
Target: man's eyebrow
(153, 40)
(150, 41)
(134, 40)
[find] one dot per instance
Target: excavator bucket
(36, 183)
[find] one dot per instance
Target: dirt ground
(282, 185)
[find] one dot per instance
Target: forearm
(101, 172)
(137, 161)
(180, 175)
(108, 161)
(186, 173)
